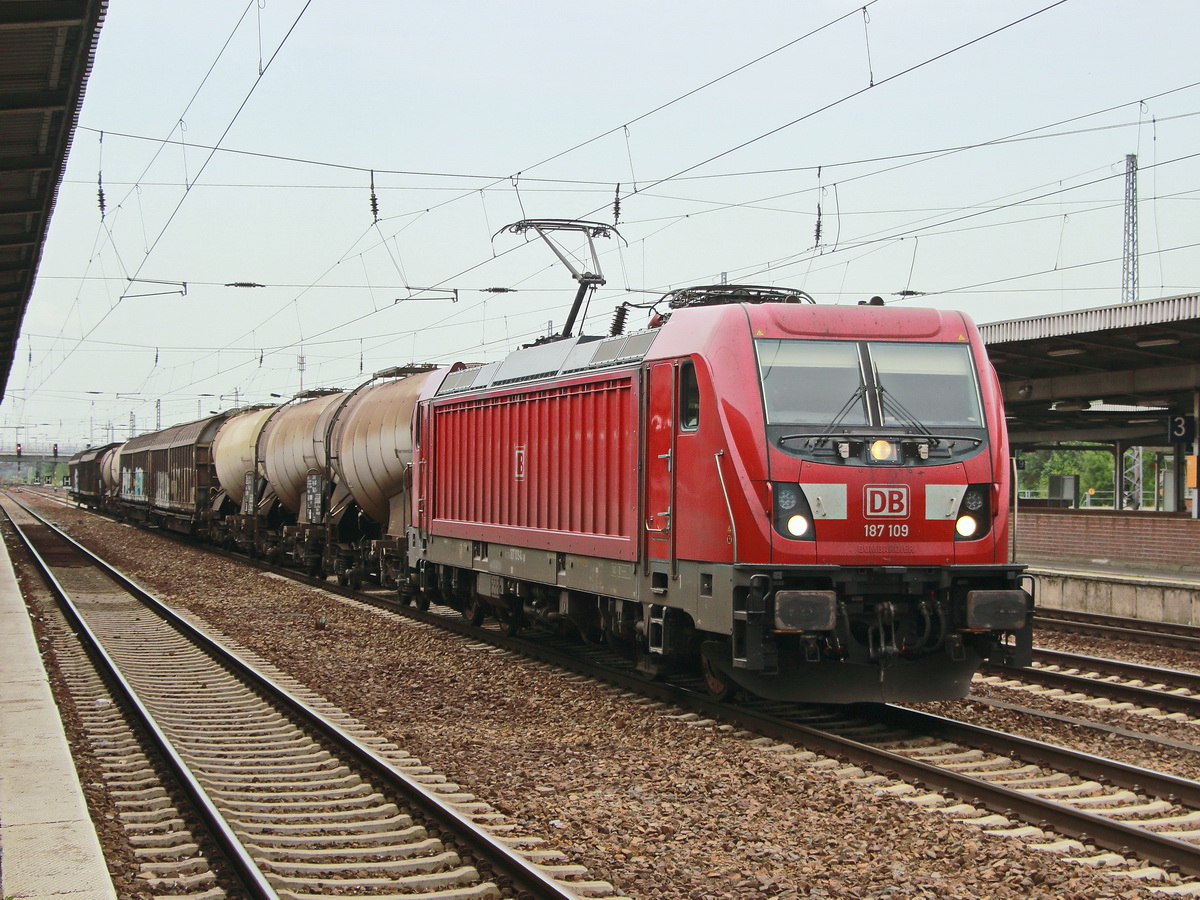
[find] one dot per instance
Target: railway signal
(18, 451)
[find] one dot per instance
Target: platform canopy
(1116, 373)
(46, 52)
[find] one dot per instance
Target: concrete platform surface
(48, 846)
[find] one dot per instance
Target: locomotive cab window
(689, 397)
(935, 383)
(826, 398)
(812, 382)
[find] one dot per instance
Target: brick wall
(1139, 541)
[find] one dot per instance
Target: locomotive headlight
(974, 519)
(884, 451)
(790, 513)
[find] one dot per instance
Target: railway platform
(1117, 589)
(48, 846)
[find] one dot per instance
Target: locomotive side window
(689, 397)
(812, 382)
(934, 383)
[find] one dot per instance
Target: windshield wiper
(920, 429)
(822, 436)
(888, 403)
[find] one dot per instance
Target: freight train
(807, 502)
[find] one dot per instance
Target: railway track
(1105, 810)
(1163, 634)
(272, 792)
(1167, 692)
(1008, 780)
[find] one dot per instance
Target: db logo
(886, 501)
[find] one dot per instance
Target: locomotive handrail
(728, 506)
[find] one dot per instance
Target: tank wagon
(808, 502)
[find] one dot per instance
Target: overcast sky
(971, 153)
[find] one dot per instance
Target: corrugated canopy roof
(1055, 370)
(46, 51)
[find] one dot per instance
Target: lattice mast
(1131, 476)
(1129, 261)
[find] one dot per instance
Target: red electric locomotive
(807, 501)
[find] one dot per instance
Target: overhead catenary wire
(525, 182)
(204, 165)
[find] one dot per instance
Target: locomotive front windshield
(847, 387)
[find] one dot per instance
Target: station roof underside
(46, 52)
(1115, 373)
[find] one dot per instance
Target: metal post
(1129, 261)
(1195, 448)
(1015, 503)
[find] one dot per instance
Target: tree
(1093, 466)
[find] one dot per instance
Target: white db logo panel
(886, 501)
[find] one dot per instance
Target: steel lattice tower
(1129, 266)
(1131, 465)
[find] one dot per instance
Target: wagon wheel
(718, 684)
(510, 623)
(475, 611)
(622, 646)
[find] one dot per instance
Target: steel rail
(1164, 634)
(1126, 693)
(1136, 778)
(1151, 674)
(495, 853)
(1108, 833)
(251, 877)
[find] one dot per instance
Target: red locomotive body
(811, 501)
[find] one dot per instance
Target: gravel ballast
(660, 809)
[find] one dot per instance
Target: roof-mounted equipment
(716, 294)
(588, 281)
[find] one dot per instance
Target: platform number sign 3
(1181, 429)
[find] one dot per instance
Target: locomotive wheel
(421, 601)
(719, 686)
(475, 612)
